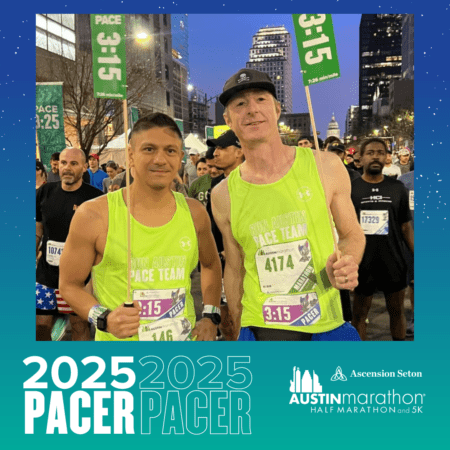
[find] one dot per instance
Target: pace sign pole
(110, 72)
(319, 62)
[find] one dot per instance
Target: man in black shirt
(55, 206)
(382, 207)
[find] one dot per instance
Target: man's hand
(343, 274)
(205, 330)
(123, 322)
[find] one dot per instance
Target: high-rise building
(351, 121)
(271, 53)
(408, 46)
(380, 62)
(180, 93)
(198, 112)
(180, 38)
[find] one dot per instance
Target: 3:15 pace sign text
(316, 47)
(109, 56)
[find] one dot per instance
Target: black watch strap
(215, 318)
(102, 320)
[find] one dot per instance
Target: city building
(333, 128)
(299, 123)
(408, 46)
(180, 92)
(63, 44)
(219, 110)
(351, 122)
(401, 95)
(180, 39)
(198, 112)
(271, 53)
(380, 50)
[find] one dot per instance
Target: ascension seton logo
(338, 376)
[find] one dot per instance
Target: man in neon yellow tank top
(282, 276)
(169, 235)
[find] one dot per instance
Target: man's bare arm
(39, 234)
(352, 240)
(211, 271)
(76, 262)
(408, 235)
(234, 267)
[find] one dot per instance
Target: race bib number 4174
(286, 268)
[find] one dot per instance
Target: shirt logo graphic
(185, 243)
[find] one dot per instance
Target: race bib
(160, 303)
(178, 329)
(411, 200)
(286, 268)
(292, 310)
(375, 222)
(54, 250)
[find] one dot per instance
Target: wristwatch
(213, 313)
(97, 316)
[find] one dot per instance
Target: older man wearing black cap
(282, 275)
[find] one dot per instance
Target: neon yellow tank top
(284, 230)
(162, 259)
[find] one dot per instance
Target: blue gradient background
(274, 422)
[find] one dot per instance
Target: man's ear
(130, 157)
(227, 119)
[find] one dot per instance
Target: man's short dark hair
(370, 141)
(201, 160)
(156, 120)
(54, 157)
(308, 138)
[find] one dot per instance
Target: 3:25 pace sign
(89, 397)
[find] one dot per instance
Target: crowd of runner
(291, 242)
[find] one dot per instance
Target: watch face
(101, 321)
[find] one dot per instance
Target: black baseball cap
(246, 79)
(210, 153)
(225, 140)
(336, 148)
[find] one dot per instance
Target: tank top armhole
(112, 204)
(183, 207)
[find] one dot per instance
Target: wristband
(213, 313)
(210, 309)
(95, 312)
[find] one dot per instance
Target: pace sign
(108, 53)
(316, 47)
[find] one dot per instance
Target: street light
(143, 38)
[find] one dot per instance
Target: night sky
(219, 46)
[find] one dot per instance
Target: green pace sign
(49, 120)
(316, 47)
(108, 56)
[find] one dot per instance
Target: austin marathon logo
(306, 389)
(305, 383)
